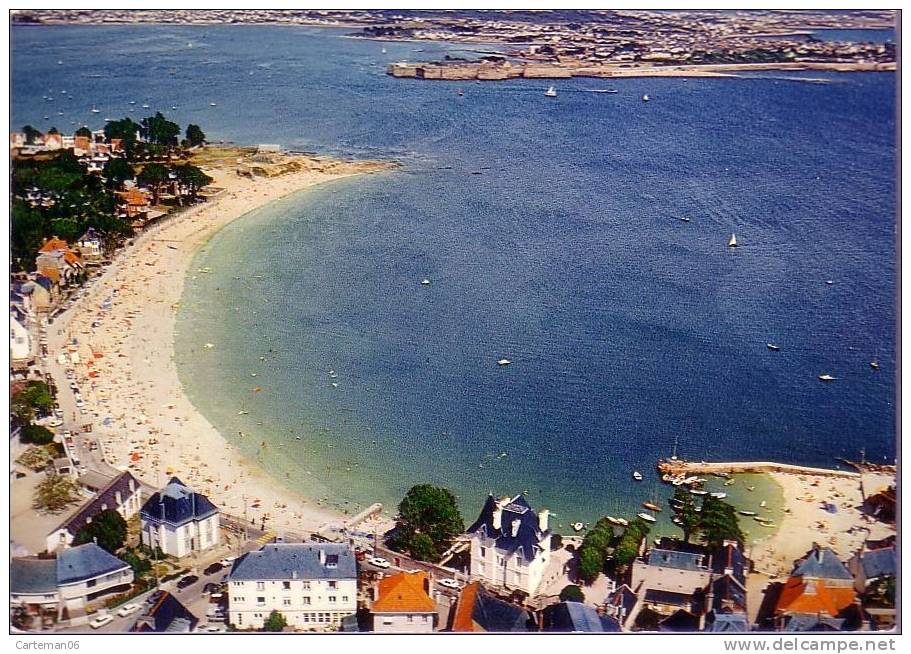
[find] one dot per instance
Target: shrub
(572, 593)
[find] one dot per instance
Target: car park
(127, 609)
(101, 621)
(378, 562)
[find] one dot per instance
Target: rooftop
(296, 561)
(32, 576)
(176, 504)
(86, 562)
(404, 593)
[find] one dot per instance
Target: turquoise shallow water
(549, 229)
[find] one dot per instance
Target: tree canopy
(427, 523)
(275, 622)
(35, 399)
(684, 506)
(572, 593)
(55, 493)
(159, 130)
(718, 522)
(195, 135)
(108, 527)
(37, 435)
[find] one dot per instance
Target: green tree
(108, 527)
(153, 175)
(628, 547)
(141, 565)
(37, 435)
(192, 178)
(572, 593)
(53, 130)
(55, 493)
(125, 130)
(31, 134)
(35, 399)
(195, 135)
(85, 131)
(117, 171)
(275, 622)
(685, 510)
(590, 564)
(718, 522)
(159, 130)
(427, 513)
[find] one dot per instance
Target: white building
(20, 343)
(313, 585)
(179, 520)
(122, 494)
(510, 544)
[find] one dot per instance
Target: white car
(101, 621)
(127, 609)
(227, 561)
(378, 562)
(211, 628)
(80, 403)
(450, 583)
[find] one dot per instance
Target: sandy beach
(126, 370)
(806, 520)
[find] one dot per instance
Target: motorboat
(578, 526)
(729, 482)
(551, 92)
(645, 98)
(698, 491)
(611, 519)
(874, 365)
(747, 513)
(651, 506)
(772, 347)
(623, 522)
(646, 517)
(718, 496)
(95, 110)
(425, 282)
(733, 242)
(637, 475)
(503, 362)
(826, 378)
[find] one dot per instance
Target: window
(306, 601)
(424, 618)
(483, 551)
(410, 619)
(333, 585)
(344, 598)
(260, 601)
(237, 599)
(286, 585)
(332, 599)
(306, 585)
(260, 585)
(90, 583)
(287, 601)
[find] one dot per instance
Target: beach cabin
(510, 544)
(178, 520)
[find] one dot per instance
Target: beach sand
(127, 370)
(806, 521)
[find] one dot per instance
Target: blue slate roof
(879, 563)
(624, 597)
(176, 505)
(726, 591)
(577, 617)
(821, 563)
(495, 615)
(729, 557)
(44, 282)
(527, 533)
(167, 614)
(282, 560)
(86, 562)
(680, 621)
(727, 623)
(30, 576)
(813, 622)
(106, 498)
(676, 560)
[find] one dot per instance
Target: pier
(676, 467)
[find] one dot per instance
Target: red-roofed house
(53, 141)
(134, 204)
(82, 145)
(56, 255)
(403, 604)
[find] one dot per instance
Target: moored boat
(651, 506)
(637, 475)
(646, 516)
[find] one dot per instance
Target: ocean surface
(550, 230)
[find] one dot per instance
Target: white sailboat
(645, 98)
(95, 110)
(551, 92)
(733, 242)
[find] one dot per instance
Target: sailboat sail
(733, 242)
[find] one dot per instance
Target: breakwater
(675, 467)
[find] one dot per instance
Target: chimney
(543, 519)
(294, 574)
(498, 513)
(515, 527)
(322, 556)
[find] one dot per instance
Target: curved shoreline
(143, 416)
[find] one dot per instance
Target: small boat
(762, 504)
(718, 496)
(645, 98)
(676, 520)
(132, 102)
(698, 491)
(145, 105)
(751, 488)
(504, 362)
(733, 242)
(827, 378)
(212, 104)
(174, 107)
(95, 110)
(651, 506)
(578, 526)
(611, 91)
(723, 475)
(425, 282)
(637, 475)
(729, 482)
(874, 365)
(684, 219)
(460, 92)
(747, 513)
(623, 522)
(383, 50)
(551, 92)
(646, 517)
(611, 519)
(772, 347)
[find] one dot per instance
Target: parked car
(189, 580)
(450, 583)
(211, 588)
(227, 561)
(212, 569)
(127, 609)
(154, 596)
(378, 562)
(101, 621)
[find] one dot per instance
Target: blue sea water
(549, 230)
